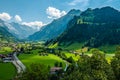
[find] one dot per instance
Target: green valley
(59, 40)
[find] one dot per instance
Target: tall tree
(35, 72)
(115, 63)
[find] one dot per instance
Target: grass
(53, 46)
(5, 50)
(68, 54)
(7, 71)
(73, 46)
(109, 57)
(28, 59)
(108, 48)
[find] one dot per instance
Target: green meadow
(7, 71)
(28, 59)
(5, 50)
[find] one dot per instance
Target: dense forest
(94, 27)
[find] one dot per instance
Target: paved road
(66, 65)
(18, 64)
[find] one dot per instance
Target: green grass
(53, 46)
(68, 54)
(7, 71)
(109, 57)
(74, 46)
(5, 50)
(108, 48)
(28, 59)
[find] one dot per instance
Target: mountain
(55, 28)
(5, 35)
(94, 28)
(20, 31)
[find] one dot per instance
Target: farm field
(28, 59)
(5, 50)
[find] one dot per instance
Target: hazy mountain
(5, 35)
(94, 27)
(55, 28)
(19, 30)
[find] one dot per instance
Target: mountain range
(5, 35)
(55, 28)
(94, 28)
(18, 30)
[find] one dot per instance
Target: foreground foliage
(95, 67)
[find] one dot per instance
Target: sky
(42, 12)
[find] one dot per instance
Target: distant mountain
(5, 35)
(94, 28)
(20, 31)
(55, 28)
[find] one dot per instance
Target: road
(18, 64)
(66, 65)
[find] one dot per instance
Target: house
(53, 70)
(7, 59)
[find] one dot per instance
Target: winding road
(66, 65)
(18, 64)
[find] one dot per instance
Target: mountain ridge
(94, 28)
(55, 28)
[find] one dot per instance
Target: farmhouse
(53, 70)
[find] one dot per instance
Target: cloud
(5, 16)
(17, 18)
(75, 2)
(35, 23)
(54, 13)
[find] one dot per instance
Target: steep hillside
(55, 28)
(5, 35)
(94, 28)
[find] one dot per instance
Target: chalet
(53, 70)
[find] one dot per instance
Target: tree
(56, 64)
(115, 63)
(70, 59)
(35, 72)
(101, 70)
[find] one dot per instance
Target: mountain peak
(73, 11)
(108, 7)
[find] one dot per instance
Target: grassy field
(109, 57)
(108, 48)
(72, 55)
(5, 50)
(7, 71)
(74, 46)
(28, 59)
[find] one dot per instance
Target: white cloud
(54, 13)
(5, 16)
(75, 2)
(35, 23)
(17, 18)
